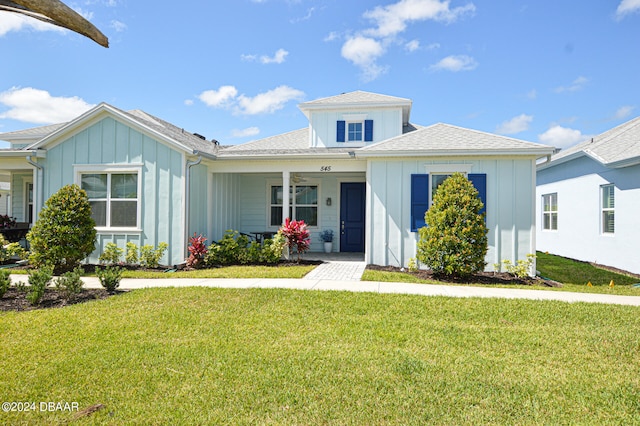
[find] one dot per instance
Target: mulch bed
(16, 300)
(479, 278)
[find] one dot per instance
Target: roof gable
(139, 120)
(361, 100)
(617, 147)
(445, 139)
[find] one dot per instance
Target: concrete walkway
(337, 266)
(367, 286)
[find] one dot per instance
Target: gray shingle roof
(357, 97)
(447, 139)
(168, 130)
(618, 146)
(291, 143)
(32, 133)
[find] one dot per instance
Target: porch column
(285, 194)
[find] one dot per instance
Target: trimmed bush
(131, 257)
(111, 254)
(70, 283)
(237, 249)
(110, 277)
(38, 281)
(150, 257)
(64, 233)
(454, 242)
(5, 281)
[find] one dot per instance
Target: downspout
(187, 208)
(40, 188)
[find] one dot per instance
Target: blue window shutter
(368, 130)
(419, 200)
(479, 181)
(340, 131)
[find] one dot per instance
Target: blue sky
(555, 72)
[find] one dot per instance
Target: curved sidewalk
(369, 286)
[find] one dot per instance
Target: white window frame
(444, 169)
(547, 200)
(292, 204)
(348, 132)
(604, 209)
(110, 170)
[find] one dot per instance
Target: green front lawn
(264, 356)
(254, 271)
(572, 274)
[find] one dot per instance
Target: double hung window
(608, 209)
(303, 204)
(550, 212)
(114, 198)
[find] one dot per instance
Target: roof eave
(38, 153)
(535, 152)
(280, 156)
(106, 108)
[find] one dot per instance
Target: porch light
(328, 201)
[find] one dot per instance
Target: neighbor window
(608, 209)
(550, 211)
(303, 204)
(113, 197)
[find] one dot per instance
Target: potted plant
(327, 237)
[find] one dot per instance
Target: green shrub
(64, 233)
(235, 248)
(110, 277)
(5, 281)
(454, 242)
(21, 286)
(150, 257)
(272, 248)
(8, 250)
(38, 281)
(131, 257)
(70, 283)
(111, 254)
(522, 268)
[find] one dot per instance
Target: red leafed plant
(297, 235)
(197, 251)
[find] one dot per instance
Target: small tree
(64, 233)
(454, 242)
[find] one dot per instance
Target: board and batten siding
(510, 207)
(387, 123)
(111, 143)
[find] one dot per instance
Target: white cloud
(188, 102)
(364, 48)
(16, 22)
(118, 26)
(364, 52)
(393, 19)
(577, 84)
(267, 102)
(243, 133)
(219, 98)
(532, 94)
(455, 63)
(433, 46)
(624, 112)
(277, 58)
(561, 137)
(412, 46)
(627, 7)
(517, 124)
(38, 106)
(333, 35)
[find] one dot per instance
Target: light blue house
(360, 168)
(589, 199)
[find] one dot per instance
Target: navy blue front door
(352, 208)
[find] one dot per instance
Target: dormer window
(354, 131)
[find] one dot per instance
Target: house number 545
(325, 168)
